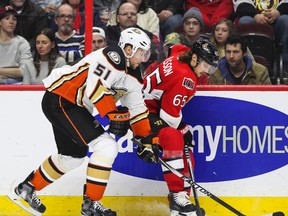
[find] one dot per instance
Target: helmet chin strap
(127, 62)
(127, 59)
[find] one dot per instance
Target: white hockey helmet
(138, 39)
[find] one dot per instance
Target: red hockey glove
(119, 121)
(150, 149)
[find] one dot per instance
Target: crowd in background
(37, 36)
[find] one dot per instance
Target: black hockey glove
(187, 135)
(119, 121)
(149, 151)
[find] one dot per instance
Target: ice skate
(24, 195)
(95, 208)
(180, 204)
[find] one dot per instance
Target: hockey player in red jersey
(167, 90)
(97, 81)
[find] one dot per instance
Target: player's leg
(172, 143)
(171, 140)
(84, 130)
(104, 150)
(71, 145)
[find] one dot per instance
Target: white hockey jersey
(99, 80)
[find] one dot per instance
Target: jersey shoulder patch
(115, 56)
(188, 83)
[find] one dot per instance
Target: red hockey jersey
(168, 88)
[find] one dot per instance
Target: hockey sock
(46, 174)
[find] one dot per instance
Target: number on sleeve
(180, 100)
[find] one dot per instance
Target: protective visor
(207, 68)
(142, 55)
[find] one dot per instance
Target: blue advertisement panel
(234, 139)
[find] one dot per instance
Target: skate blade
(177, 213)
(20, 202)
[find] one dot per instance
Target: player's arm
(138, 111)
(110, 66)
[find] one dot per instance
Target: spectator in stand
(273, 13)
(192, 23)
(112, 32)
(146, 17)
(79, 23)
(170, 40)
(127, 17)
(212, 10)
(32, 19)
(170, 15)
(46, 58)
(108, 4)
(67, 39)
(14, 49)
(49, 7)
(220, 32)
(98, 39)
(237, 68)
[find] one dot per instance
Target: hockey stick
(203, 190)
(188, 158)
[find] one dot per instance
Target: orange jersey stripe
(102, 99)
(70, 86)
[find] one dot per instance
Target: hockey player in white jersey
(98, 81)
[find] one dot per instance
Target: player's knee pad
(66, 163)
(172, 142)
(105, 150)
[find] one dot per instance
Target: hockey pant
(74, 129)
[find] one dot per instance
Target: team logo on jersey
(188, 83)
(114, 56)
(118, 93)
(264, 5)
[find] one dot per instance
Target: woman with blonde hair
(220, 32)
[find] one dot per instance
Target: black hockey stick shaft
(194, 184)
(189, 163)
